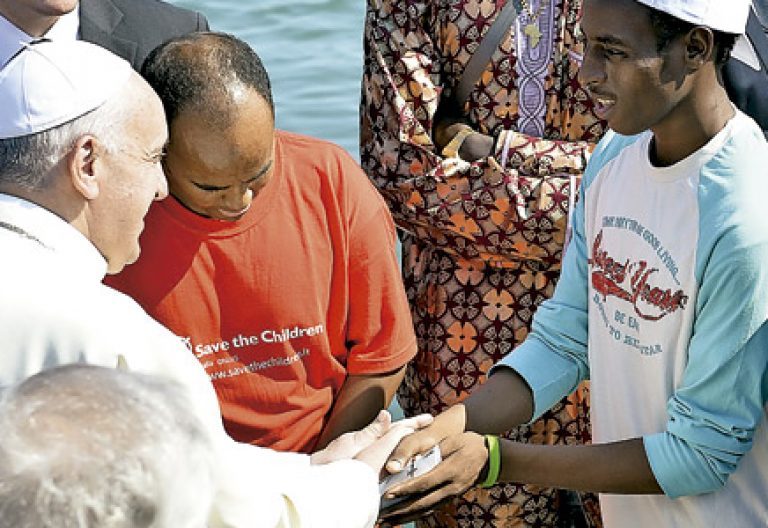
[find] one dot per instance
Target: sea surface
(312, 50)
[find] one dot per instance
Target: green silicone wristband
(494, 461)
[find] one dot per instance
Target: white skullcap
(49, 83)
(729, 16)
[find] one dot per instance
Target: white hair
(26, 161)
(87, 447)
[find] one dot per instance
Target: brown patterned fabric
(482, 242)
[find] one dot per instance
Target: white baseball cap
(49, 83)
(729, 16)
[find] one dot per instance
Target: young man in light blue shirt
(663, 300)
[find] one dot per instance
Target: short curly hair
(197, 69)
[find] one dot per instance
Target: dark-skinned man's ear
(699, 45)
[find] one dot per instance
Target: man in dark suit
(133, 28)
(746, 74)
(128, 28)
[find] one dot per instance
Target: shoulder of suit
(156, 8)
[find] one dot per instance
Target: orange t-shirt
(282, 304)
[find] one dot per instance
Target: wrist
(476, 146)
(454, 420)
(445, 130)
(489, 475)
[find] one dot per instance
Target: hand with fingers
(449, 423)
(378, 452)
(464, 460)
(464, 457)
(448, 123)
(372, 444)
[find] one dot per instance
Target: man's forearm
(619, 467)
(504, 401)
(358, 402)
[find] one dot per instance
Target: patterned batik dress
(482, 241)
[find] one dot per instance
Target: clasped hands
(387, 446)
(448, 122)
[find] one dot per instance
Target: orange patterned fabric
(482, 241)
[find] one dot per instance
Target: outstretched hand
(378, 452)
(449, 423)
(451, 476)
(464, 457)
(372, 444)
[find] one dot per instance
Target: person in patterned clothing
(482, 195)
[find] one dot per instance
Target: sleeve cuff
(679, 470)
(363, 366)
(342, 493)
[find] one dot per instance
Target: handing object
(419, 465)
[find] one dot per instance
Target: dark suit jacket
(133, 28)
(748, 88)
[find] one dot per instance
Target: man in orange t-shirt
(274, 259)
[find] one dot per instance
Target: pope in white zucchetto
(81, 141)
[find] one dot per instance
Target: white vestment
(54, 310)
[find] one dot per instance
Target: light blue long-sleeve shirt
(663, 303)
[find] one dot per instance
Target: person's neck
(56, 198)
(696, 120)
(33, 25)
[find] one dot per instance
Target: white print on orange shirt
(268, 335)
(255, 366)
(286, 334)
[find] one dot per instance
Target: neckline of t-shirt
(260, 208)
(692, 163)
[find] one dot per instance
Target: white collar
(66, 27)
(744, 51)
(54, 233)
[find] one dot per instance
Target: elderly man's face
(133, 179)
(217, 173)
